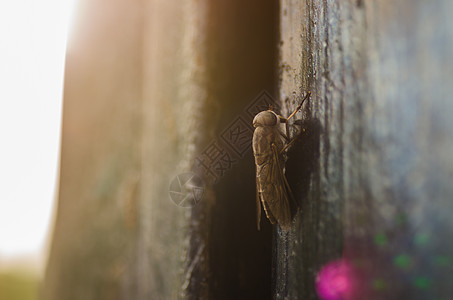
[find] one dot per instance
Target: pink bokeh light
(335, 281)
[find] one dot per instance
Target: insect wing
(265, 187)
(280, 207)
(271, 186)
(258, 207)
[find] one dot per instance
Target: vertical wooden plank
(375, 130)
(159, 261)
(149, 85)
(227, 257)
(100, 155)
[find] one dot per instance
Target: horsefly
(272, 188)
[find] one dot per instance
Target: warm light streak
(32, 53)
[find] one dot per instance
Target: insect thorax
(265, 118)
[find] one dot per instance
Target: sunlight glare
(32, 55)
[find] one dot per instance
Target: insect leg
(283, 120)
(289, 144)
(285, 136)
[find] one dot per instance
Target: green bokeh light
(442, 260)
(422, 282)
(402, 260)
(421, 239)
(379, 284)
(380, 239)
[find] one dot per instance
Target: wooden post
(373, 165)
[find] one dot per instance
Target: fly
(272, 188)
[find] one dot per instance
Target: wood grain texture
(373, 166)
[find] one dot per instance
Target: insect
(272, 188)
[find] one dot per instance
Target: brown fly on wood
(272, 188)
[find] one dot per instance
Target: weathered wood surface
(96, 220)
(374, 165)
(149, 85)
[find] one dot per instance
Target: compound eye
(265, 118)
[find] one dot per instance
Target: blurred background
(32, 55)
